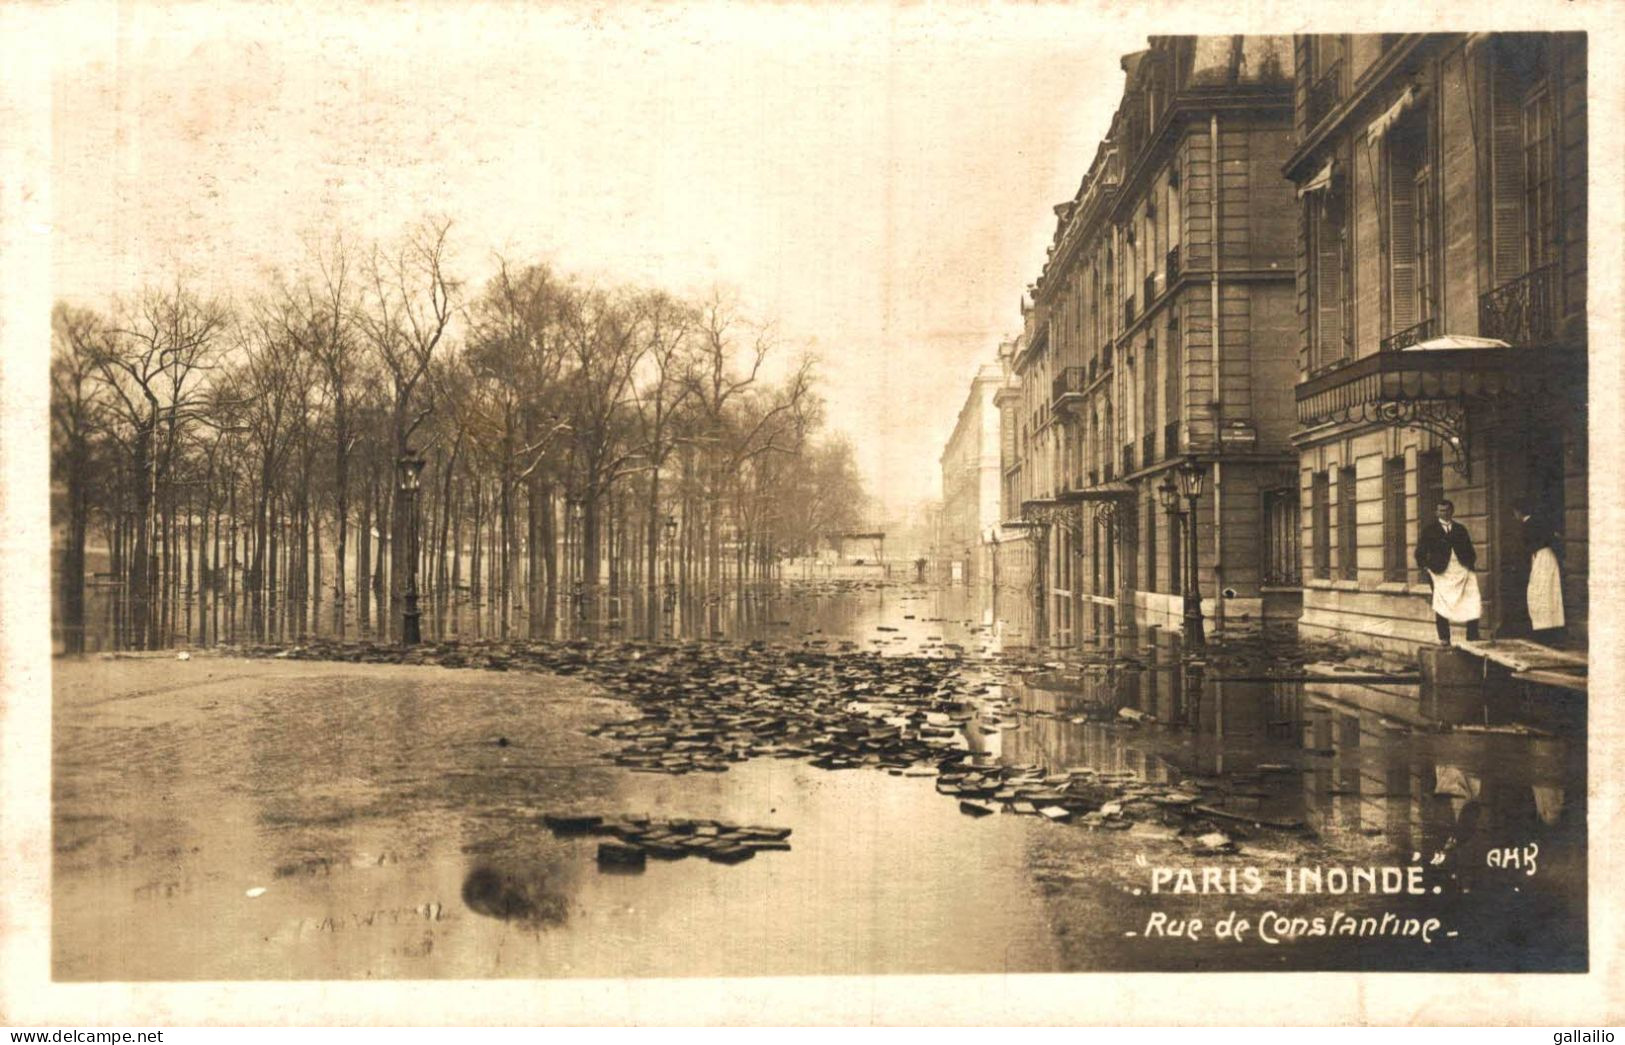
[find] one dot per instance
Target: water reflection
(886, 876)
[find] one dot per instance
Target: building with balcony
(1163, 327)
(971, 477)
(1441, 186)
(1012, 579)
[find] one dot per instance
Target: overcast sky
(879, 181)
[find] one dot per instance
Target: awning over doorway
(1428, 386)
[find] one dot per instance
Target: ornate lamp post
(411, 467)
(579, 559)
(1190, 487)
(671, 555)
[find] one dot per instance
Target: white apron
(1545, 591)
(1455, 593)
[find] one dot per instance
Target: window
(1348, 545)
(1176, 579)
(1393, 519)
(1151, 510)
(1408, 236)
(1150, 388)
(1523, 209)
(1172, 396)
(1329, 340)
(1282, 550)
(1541, 233)
(1429, 483)
(1321, 524)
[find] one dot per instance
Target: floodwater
(224, 818)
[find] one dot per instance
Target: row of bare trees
(242, 471)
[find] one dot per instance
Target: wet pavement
(279, 817)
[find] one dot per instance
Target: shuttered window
(1172, 395)
(1326, 232)
(1393, 519)
(1507, 188)
(1320, 523)
(1150, 389)
(1151, 510)
(1176, 578)
(1348, 544)
(1402, 253)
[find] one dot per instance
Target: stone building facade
(1440, 181)
(970, 483)
(1162, 326)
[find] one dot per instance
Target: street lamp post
(579, 563)
(411, 467)
(671, 555)
(1190, 486)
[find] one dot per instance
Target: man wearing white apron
(1445, 553)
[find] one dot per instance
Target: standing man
(1445, 552)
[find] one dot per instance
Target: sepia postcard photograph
(715, 498)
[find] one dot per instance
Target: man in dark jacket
(1444, 550)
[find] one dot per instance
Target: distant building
(1161, 328)
(1440, 181)
(970, 484)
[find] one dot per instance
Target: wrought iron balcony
(1324, 94)
(1128, 458)
(1170, 439)
(1068, 386)
(1173, 264)
(1128, 311)
(1523, 312)
(1412, 335)
(1148, 449)
(1150, 289)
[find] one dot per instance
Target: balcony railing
(1128, 458)
(1523, 312)
(1173, 265)
(1069, 383)
(1150, 288)
(1412, 335)
(1170, 439)
(1128, 311)
(1148, 449)
(1324, 94)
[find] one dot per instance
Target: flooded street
(232, 816)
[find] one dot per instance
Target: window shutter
(1506, 177)
(1401, 236)
(1328, 281)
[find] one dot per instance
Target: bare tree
(407, 309)
(154, 363)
